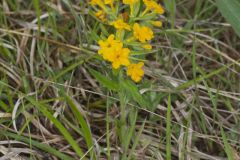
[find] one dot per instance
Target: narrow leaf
(61, 128)
(84, 126)
(132, 89)
(169, 132)
(227, 146)
(103, 80)
(42, 146)
(230, 9)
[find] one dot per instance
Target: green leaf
(136, 8)
(42, 146)
(132, 89)
(60, 127)
(69, 68)
(130, 133)
(147, 16)
(230, 9)
(171, 8)
(106, 82)
(168, 146)
(227, 147)
(136, 141)
(84, 126)
(201, 78)
(38, 11)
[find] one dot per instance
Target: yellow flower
(147, 46)
(101, 15)
(96, 2)
(120, 24)
(142, 33)
(112, 50)
(157, 23)
(152, 5)
(135, 71)
(109, 43)
(159, 9)
(119, 57)
(109, 2)
(107, 46)
(130, 2)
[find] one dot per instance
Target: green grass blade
(58, 124)
(130, 133)
(42, 146)
(38, 11)
(230, 9)
(84, 126)
(168, 132)
(171, 8)
(71, 67)
(132, 89)
(201, 78)
(227, 147)
(103, 80)
(108, 123)
(136, 141)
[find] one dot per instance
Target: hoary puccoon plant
(132, 23)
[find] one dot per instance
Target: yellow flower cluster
(152, 5)
(119, 24)
(113, 51)
(135, 71)
(101, 15)
(142, 34)
(130, 2)
(133, 32)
